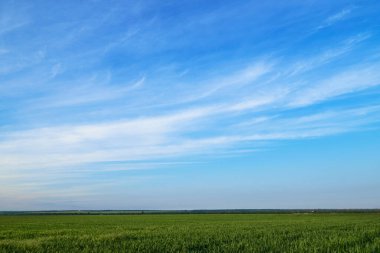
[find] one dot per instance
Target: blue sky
(189, 104)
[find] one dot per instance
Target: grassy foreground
(335, 232)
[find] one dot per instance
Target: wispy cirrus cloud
(168, 135)
(89, 90)
(355, 79)
(339, 16)
(328, 55)
(9, 22)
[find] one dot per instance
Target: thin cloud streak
(331, 20)
(349, 81)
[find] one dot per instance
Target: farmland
(301, 232)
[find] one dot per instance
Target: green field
(336, 232)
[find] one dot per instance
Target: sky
(189, 104)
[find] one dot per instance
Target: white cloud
(343, 14)
(232, 81)
(89, 90)
(9, 23)
(160, 137)
(348, 81)
(128, 139)
(327, 56)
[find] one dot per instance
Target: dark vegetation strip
(216, 211)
